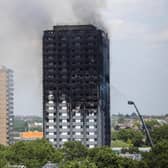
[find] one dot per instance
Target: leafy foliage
(120, 143)
(131, 136)
(79, 164)
(160, 133)
(74, 151)
(35, 154)
(158, 157)
(103, 157)
(151, 124)
(130, 150)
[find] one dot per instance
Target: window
(91, 146)
(64, 114)
(91, 140)
(51, 133)
(77, 127)
(77, 38)
(77, 133)
(91, 127)
(78, 114)
(91, 133)
(91, 114)
(77, 121)
(51, 127)
(64, 127)
(51, 140)
(51, 102)
(64, 133)
(51, 108)
(51, 121)
(64, 121)
(64, 140)
(78, 139)
(64, 108)
(51, 115)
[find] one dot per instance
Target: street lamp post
(143, 123)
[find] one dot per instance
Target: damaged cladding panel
(76, 89)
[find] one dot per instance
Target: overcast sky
(138, 32)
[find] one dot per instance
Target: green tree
(87, 164)
(74, 150)
(160, 133)
(120, 143)
(131, 150)
(78, 164)
(3, 160)
(127, 135)
(114, 135)
(158, 157)
(128, 163)
(151, 124)
(103, 157)
(33, 154)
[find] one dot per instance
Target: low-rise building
(50, 165)
(16, 166)
(133, 156)
(30, 135)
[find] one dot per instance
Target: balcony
(77, 136)
(51, 117)
(91, 123)
(77, 124)
(91, 136)
(50, 124)
(64, 136)
(51, 130)
(51, 136)
(64, 129)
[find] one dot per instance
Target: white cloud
(157, 38)
(136, 19)
(22, 23)
(161, 36)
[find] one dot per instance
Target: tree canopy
(160, 133)
(158, 157)
(130, 136)
(32, 154)
(35, 154)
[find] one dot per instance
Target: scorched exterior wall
(76, 98)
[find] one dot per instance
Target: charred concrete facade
(76, 93)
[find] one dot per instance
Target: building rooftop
(74, 27)
(50, 165)
(31, 135)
